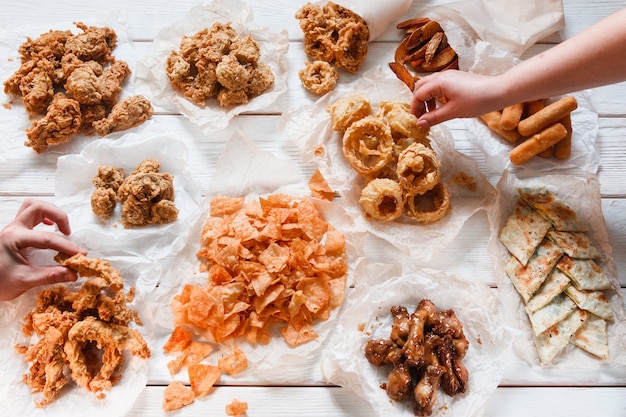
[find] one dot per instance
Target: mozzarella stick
(534, 106)
(492, 120)
(537, 143)
(563, 149)
(547, 116)
(511, 116)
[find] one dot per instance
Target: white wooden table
(519, 393)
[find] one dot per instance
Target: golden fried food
(217, 62)
(82, 68)
(272, 261)
(418, 168)
(61, 122)
(347, 110)
(430, 206)
(126, 114)
(368, 145)
(236, 408)
(389, 145)
(318, 77)
(536, 129)
(424, 352)
(382, 199)
(85, 332)
(334, 34)
(146, 195)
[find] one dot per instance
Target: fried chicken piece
(50, 44)
(228, 97)
(93, 44)
(261, 79)
(126, 114)
(398, 385)
(425, 391)
(62, 121)
(37, 90)
(109, 84)
(231, 74)
(109, 177)
(90, 114)
(245, 50)
(81, 85)
(104, 197)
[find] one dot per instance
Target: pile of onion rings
(335, 35)
(394, 155)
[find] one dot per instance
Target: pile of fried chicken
(146, 195)
(71, 83)
(425, 349)
(84, 332)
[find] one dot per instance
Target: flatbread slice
(528, 278)
(584, 273)
(593, 337)
(559, 308)
(549, 205)
(523, 231)
(575, 244)
(592, 301)
(554, 340)
(554, 285)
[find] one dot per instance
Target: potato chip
(202, 378)
(271, 261)
(319, 187)
(178, 340)
(236, 408)
(233, 363)
(177, 395)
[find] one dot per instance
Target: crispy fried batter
(73, 326)
(334, 34)
(127, 113)
(218, 63)
(62, 121)
(82, 68)
(319, 77)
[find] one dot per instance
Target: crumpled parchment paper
(366, 316)
(74, 188)
(581, 191)
(152, 80)
(237, 174)
(509, 24)
(310, 128)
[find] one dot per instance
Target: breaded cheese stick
(511, 116)
(492, 120)
(547, 116)
(537, 143)
(563, 149)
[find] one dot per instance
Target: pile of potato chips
(274, 260)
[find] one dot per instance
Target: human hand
(461, 94)
(17, 274)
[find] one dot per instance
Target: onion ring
(418, 169)
(351, 49)
(347, 110)
(319, 77)
(367, 145)
(429, 207)
(382, 199)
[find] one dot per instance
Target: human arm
(592, 58)
(17, 274)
